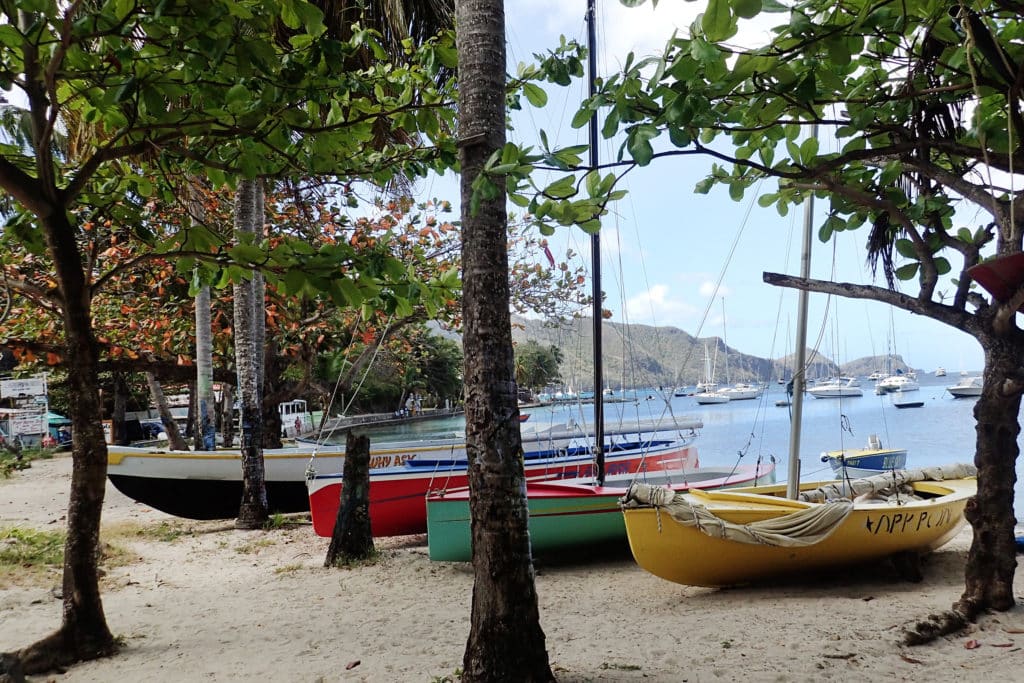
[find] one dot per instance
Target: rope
(804, 527)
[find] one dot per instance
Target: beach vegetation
(32, 557)
(166, 531)
(254, 547)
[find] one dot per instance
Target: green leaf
(942, 265)
(639, 144)
(905, 248)
(746, 9)
(717, 20)
(907, 272)
(535, 94)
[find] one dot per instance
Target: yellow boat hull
(872, 531)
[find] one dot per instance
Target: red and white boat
(398, 494)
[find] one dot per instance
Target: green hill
(648, 356)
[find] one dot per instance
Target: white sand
(227, 605)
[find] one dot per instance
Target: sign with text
(13, 388)
(28, 424)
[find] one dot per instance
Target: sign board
(31, 423)
(13, 388)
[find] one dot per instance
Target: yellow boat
(720, 538)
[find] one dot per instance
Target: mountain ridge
(636, 356)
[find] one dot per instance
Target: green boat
(573, 514)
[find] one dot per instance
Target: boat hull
(855, 463)
(398, 495)
(208, 484)
(571, 515)
(686, 555)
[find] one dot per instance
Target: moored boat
(840, 387)
(720, 538)
(864, 462)
(967, 387)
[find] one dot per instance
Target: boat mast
(595, 255)
(799, 369)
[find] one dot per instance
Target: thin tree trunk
(227, 414)
(118, 425)
(83, 633)
(156, 393)
(206, 432)
(352, 538)
(505, 642)
(253, 510)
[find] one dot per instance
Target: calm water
(940, 432)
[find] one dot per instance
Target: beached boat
(721, 538)
(398, 494)
(574, 513)
(854, 463)
(208, 484)
(718, 538)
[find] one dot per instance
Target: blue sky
(665, 247)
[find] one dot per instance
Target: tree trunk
(505, 642)
(273, 427)
(118, 425)
(253, 511)
(156, 393)
(352, 538)
(206, 432)
(227, 414)
(992, 560)
(83, 633)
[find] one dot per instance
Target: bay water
(940, 432)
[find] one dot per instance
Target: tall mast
(595, 256)
(799, 371)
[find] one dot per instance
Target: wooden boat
(865, 462)
(573, 513)
(208, 484)
(398, 494)
(720, 538)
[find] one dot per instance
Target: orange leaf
(52, 359)
(972, 644)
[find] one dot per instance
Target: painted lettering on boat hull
(909, 521)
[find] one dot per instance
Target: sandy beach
(185, 602)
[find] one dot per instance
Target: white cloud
(658, 306)
(707, 290)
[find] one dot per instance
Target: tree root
(59, 650)
(936, 626)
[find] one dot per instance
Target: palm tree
(505, 640)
